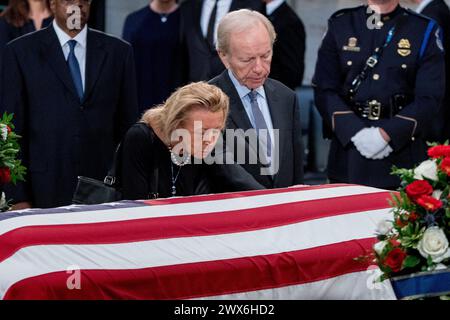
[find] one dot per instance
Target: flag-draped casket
(295, 243)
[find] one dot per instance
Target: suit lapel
(53, 53)
(279, 118)
(95, 58)
(238, 115)
(198, 8)
(237, 4)
(198, 5)
(237, 111)
(234, 5)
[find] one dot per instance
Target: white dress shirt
(223, 7)
(243, 92)
(273, 5)
(80, 48)
(422, 5)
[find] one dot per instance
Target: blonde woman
(161, 152)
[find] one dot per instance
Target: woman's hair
(17, 12)
(175, 110)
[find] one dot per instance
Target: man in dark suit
(440, 12)
(72, 90)
(245, 44)
(288, 63)
(199, 20)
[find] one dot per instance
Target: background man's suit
(63, 137)
(285, 116)
(440, 12)
(201, 61)
(288, 62)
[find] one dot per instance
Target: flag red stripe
(234, 195)
(203, 279)
(187, 226)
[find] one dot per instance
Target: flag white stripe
(137, 255)
(124, 214)
(350, 286)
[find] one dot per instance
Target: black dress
(142, 151)
(8, 32)
(155, 40)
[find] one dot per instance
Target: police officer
(379, 82)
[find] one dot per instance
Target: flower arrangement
(417, 239)
(11, 169)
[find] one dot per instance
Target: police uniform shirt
(411, 65)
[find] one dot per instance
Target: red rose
(429, 203)
(400, 222)
(445, 166)
(395, 258)
(413, 217)
(439, 152)
(394, 242)
(5, 175)
(419, 188)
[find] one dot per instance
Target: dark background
(97, 19)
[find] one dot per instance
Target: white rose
(434, 244)
(427, 169)
(384, 227)
(379, 247)
(437, 194)
(4, 131)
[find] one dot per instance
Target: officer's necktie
(74, 68)
(211, 26)
(260, 123)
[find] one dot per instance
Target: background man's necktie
(211, 26)
(260, 123)
(74, 68)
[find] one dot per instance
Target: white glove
(369, 142)
(383, 153)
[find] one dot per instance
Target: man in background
(258, 103)
(73, 94)
(199, 21)
(288, 63)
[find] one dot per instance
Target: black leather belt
(374, 110)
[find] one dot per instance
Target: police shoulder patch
(438, 35)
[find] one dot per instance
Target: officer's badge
(439, 40)
(404, 48)
(352, 45)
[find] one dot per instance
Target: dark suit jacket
(285, 115)
(63, 137)
(288, 63)
(440, 12)
(201, 62)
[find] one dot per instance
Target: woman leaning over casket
(162, 154)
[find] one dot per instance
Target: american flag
(294, 243)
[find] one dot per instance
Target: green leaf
(430, 261)
(411, 262)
